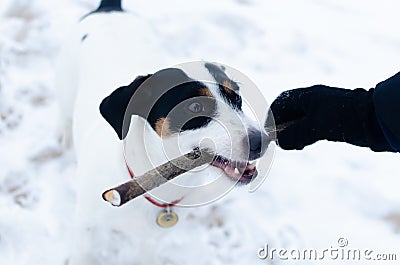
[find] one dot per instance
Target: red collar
(149, 198)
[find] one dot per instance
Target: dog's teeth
(251, 165)
(237, 170)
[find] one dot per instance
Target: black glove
(306, 115)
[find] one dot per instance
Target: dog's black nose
(258, 142)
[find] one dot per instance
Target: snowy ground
(310, 199)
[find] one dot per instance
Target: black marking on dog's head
(113, 107)
(228, 88)
(185, 107)
(170, 101)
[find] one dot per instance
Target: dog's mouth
(242, 172)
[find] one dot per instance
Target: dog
(122, 128)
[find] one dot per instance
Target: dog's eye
(195, 107)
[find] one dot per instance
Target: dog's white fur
(118, 47)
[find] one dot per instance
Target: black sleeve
(387, 107)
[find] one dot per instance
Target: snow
(310, 199)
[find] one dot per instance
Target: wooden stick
(154, 178)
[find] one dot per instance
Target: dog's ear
(126, 101)
(113, 107)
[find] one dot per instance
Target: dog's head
(190, 113)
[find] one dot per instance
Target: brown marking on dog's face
(227, 86)
(205, 92)
(162, 127)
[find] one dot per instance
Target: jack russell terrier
(158, 116)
